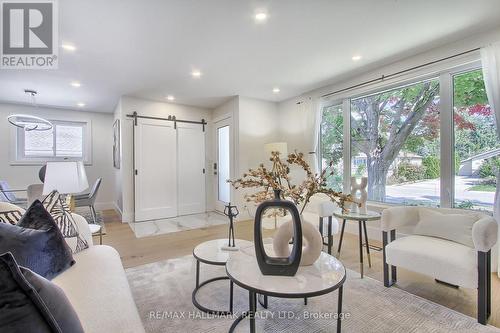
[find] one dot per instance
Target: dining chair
(88, 199)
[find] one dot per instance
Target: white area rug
(162, 292)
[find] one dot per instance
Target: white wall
(155, 109)
(20, 176)
(258, 122)
(117, 193)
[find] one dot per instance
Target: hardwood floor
(137, 251)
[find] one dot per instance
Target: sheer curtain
(490, 57)
(311, 108)
(317, 107)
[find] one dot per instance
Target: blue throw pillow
(37, 243)
(30, 303)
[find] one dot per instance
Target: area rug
(162, 292)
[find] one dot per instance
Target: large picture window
(477, 148)
(332, 146)
(431, 142)
(395, 143)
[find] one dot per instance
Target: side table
(211, 253)
(361, 218)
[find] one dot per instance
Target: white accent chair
(449, 245)
(326, 209)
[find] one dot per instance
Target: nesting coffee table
(211, 253)
(326, 275)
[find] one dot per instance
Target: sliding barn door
(191, 168)
(155, 150)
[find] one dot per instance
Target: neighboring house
(406, 157)
(470, 166)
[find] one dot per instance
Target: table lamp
(67, 178)
(280, 147)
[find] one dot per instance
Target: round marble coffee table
(324, 276)
(211, 253)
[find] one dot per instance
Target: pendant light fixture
(29, 122)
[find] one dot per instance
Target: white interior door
(191, 168)
(222, 167)
(155, 152)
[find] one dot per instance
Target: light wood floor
(137, 251)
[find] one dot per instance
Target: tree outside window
(395, 141)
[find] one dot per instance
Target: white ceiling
(148, 48)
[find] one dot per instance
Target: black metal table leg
(341, 237)
(367, 245)
(231, 287)
(200, 285)
(197, 273)
(264, 302)
(339, 310)
(330, 236)
(253, 307)
(360, 248)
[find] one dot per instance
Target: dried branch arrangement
(267, 181)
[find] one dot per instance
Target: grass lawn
(483, 188)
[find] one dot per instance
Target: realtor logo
(29, 34)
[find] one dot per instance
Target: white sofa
(455, 249)
(97, 287)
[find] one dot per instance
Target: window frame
(446, 133)
(18, 156)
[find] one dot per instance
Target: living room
(262, 166)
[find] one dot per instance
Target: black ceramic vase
(273, 265)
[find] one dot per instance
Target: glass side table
(361, 218)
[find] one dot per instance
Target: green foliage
(360, 170)
(482, 188)
(407, 172)
(457, 163)
(432, 167)
(335, 182)
(466, 204)
(332, 126)
(489, 167)
(469, 89)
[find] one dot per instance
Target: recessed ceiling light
(68, 47)
(276, 90)
(76, 84)
(170, 97)
(356, 57)
(260, 16)
(81, 104)
(196, 73)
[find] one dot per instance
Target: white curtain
(490, 57)
(315, 108)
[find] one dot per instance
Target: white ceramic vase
(312, 243)
(362, 197)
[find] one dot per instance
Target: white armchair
(450, 245)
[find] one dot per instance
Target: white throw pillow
(453, 227)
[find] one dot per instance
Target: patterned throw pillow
(59, 209)
(11, 216)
